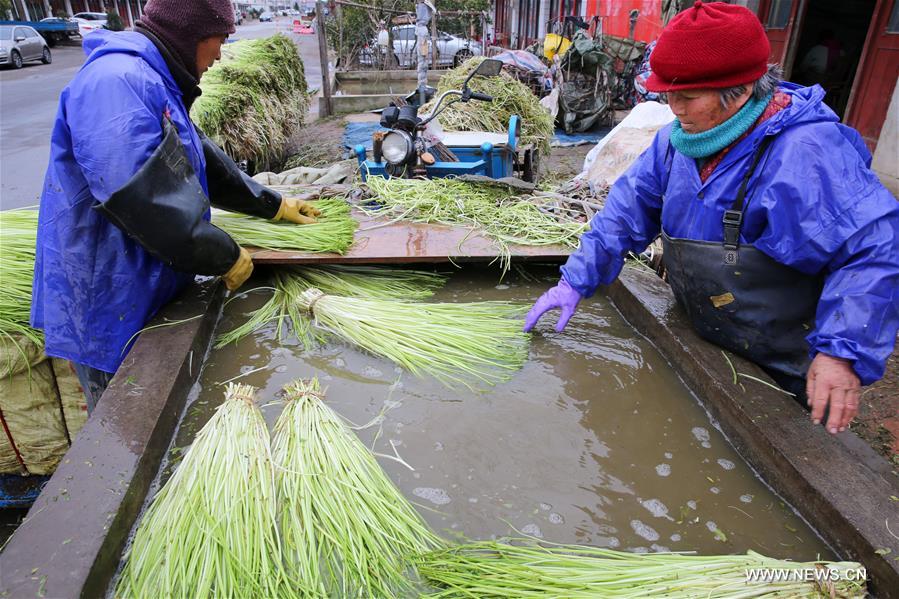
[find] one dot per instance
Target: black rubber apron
(741, 299)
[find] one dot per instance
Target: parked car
(451, 49)
(266, 17)
(20, 44)
(89, 21)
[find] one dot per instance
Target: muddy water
(595, 441)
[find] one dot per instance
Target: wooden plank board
(379, 241)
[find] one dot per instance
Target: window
(752, 5)
(20, 32)
(779, 14)
(5, 33)
(31, 33)
(404, 33)
(893, 23)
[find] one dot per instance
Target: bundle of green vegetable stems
(510, 97)
(18, 235)
(314, 516)
(211, 531)
(288, 284)
(371, 308)
(347, 530)
(254, 100)
(333, 231)
(502, 216)
(522, 569)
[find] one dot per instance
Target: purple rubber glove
(562, 296)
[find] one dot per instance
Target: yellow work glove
(240, 272)
(297, 211)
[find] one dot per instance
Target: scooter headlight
(396, 147)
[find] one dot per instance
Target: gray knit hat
(182, 24)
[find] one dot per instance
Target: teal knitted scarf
(700, 145)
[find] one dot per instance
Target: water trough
(71, 543)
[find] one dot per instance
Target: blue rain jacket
(94, 287)
(813, 204)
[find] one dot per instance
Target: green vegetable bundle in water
(453, 342)
(211, 531)
(254, 100)
(347, 530)
(333, 232)
(510, 97)
(18, 237)
(505, 218)
(289, 283)
(505, 571)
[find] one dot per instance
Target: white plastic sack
(340, 172)
(615, 152)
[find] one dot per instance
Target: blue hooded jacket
(813, 204)
(94, 287)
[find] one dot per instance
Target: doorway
(830, 47)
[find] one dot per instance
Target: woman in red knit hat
(124, 217)
(780, 243)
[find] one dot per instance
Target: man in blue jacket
(124, 215)
(780, 243)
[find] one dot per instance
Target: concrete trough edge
(387, 76)
(70, 543)
(352, 103)
(839, 485)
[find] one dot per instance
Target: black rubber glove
(232, 189)
(162, 207)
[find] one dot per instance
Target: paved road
(28, 104)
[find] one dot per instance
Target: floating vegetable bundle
(372, 282)
(347, 530)
(254, 100)
(332, 233)
(18, 236)
(505, 218)
(211, 531)
(510, 97)
(491, 569)
(481, 340)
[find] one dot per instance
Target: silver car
(451, 49)
(20, 43)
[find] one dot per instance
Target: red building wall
(616, 17)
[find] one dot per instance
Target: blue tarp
(358, 133)
(560, 138)
(20, 491)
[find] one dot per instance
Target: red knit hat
(711, 45)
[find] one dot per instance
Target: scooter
(408, 149)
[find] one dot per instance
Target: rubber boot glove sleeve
(240, 272)
(297, 211)
(563, 296)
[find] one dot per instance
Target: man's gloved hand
(240, 272)
(562, 296)
(297, 211)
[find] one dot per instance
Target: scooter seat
(473, 139)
